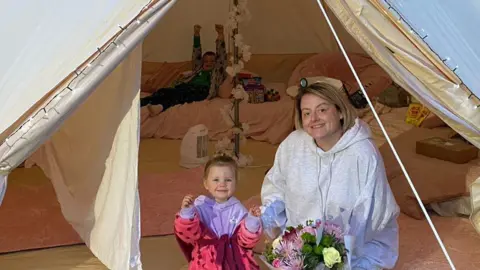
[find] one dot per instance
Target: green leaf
(327, 240)
(307, 249)
(318, 250)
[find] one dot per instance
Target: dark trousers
(180, 94)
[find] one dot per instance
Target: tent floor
(160, 156)
(156, 156)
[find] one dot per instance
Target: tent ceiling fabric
(275, 27)
(48, 42)
(449, 29)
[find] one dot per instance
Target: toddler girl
(217, 232)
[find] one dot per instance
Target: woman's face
(321, 120)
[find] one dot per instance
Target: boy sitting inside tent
(207, 80)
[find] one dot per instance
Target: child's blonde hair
(223, 161)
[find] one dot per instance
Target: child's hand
(187, 201)
(255, 211)
(219, 28)
(196, 29)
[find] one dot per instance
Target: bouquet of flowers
(300, 248)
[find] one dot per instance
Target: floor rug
(30, 216)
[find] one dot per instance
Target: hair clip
(303, 82)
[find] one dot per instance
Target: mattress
(269, 122)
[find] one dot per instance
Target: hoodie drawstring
(323, 198)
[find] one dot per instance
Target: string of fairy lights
(76, 75)
(423, 37)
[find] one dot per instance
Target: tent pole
(236, 102)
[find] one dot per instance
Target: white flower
(243, 140)
(276, 242)
(245, 127)
(238, 40)
(239, 93)
(244, 161)
(331, 256)
(236, 130)
(246, 56)
(234, 69)
(222, 144)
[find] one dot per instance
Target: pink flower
(295, 262)
(276, 263)
(309, 230)
(334, 229)
(290, 236)
(297, 243)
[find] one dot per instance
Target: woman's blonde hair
(330, 94)
(220, 160)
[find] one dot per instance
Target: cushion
(432, 121)
(435, 180)
(394, 97)
(157, 75)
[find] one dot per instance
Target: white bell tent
(70, 79)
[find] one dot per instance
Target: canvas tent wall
(74, 73)
(59, 39)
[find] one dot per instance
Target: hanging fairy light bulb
(423, 33)
(27, 125)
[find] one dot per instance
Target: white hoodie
(346, 183)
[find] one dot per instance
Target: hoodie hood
(357, 133)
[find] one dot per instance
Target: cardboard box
(453, 150)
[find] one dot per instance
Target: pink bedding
(270, 121)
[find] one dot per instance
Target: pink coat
(204, 250)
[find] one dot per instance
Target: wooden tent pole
(236, 102)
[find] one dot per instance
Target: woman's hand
(187, 201)
(255, 211)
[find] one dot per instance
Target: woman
(330, 169)
(205, 81)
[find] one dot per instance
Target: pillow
(160, 75)
(432, 121)
(435, 180)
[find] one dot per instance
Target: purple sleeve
(252, 223)
(187, 213)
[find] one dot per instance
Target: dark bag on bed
(357, 98)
